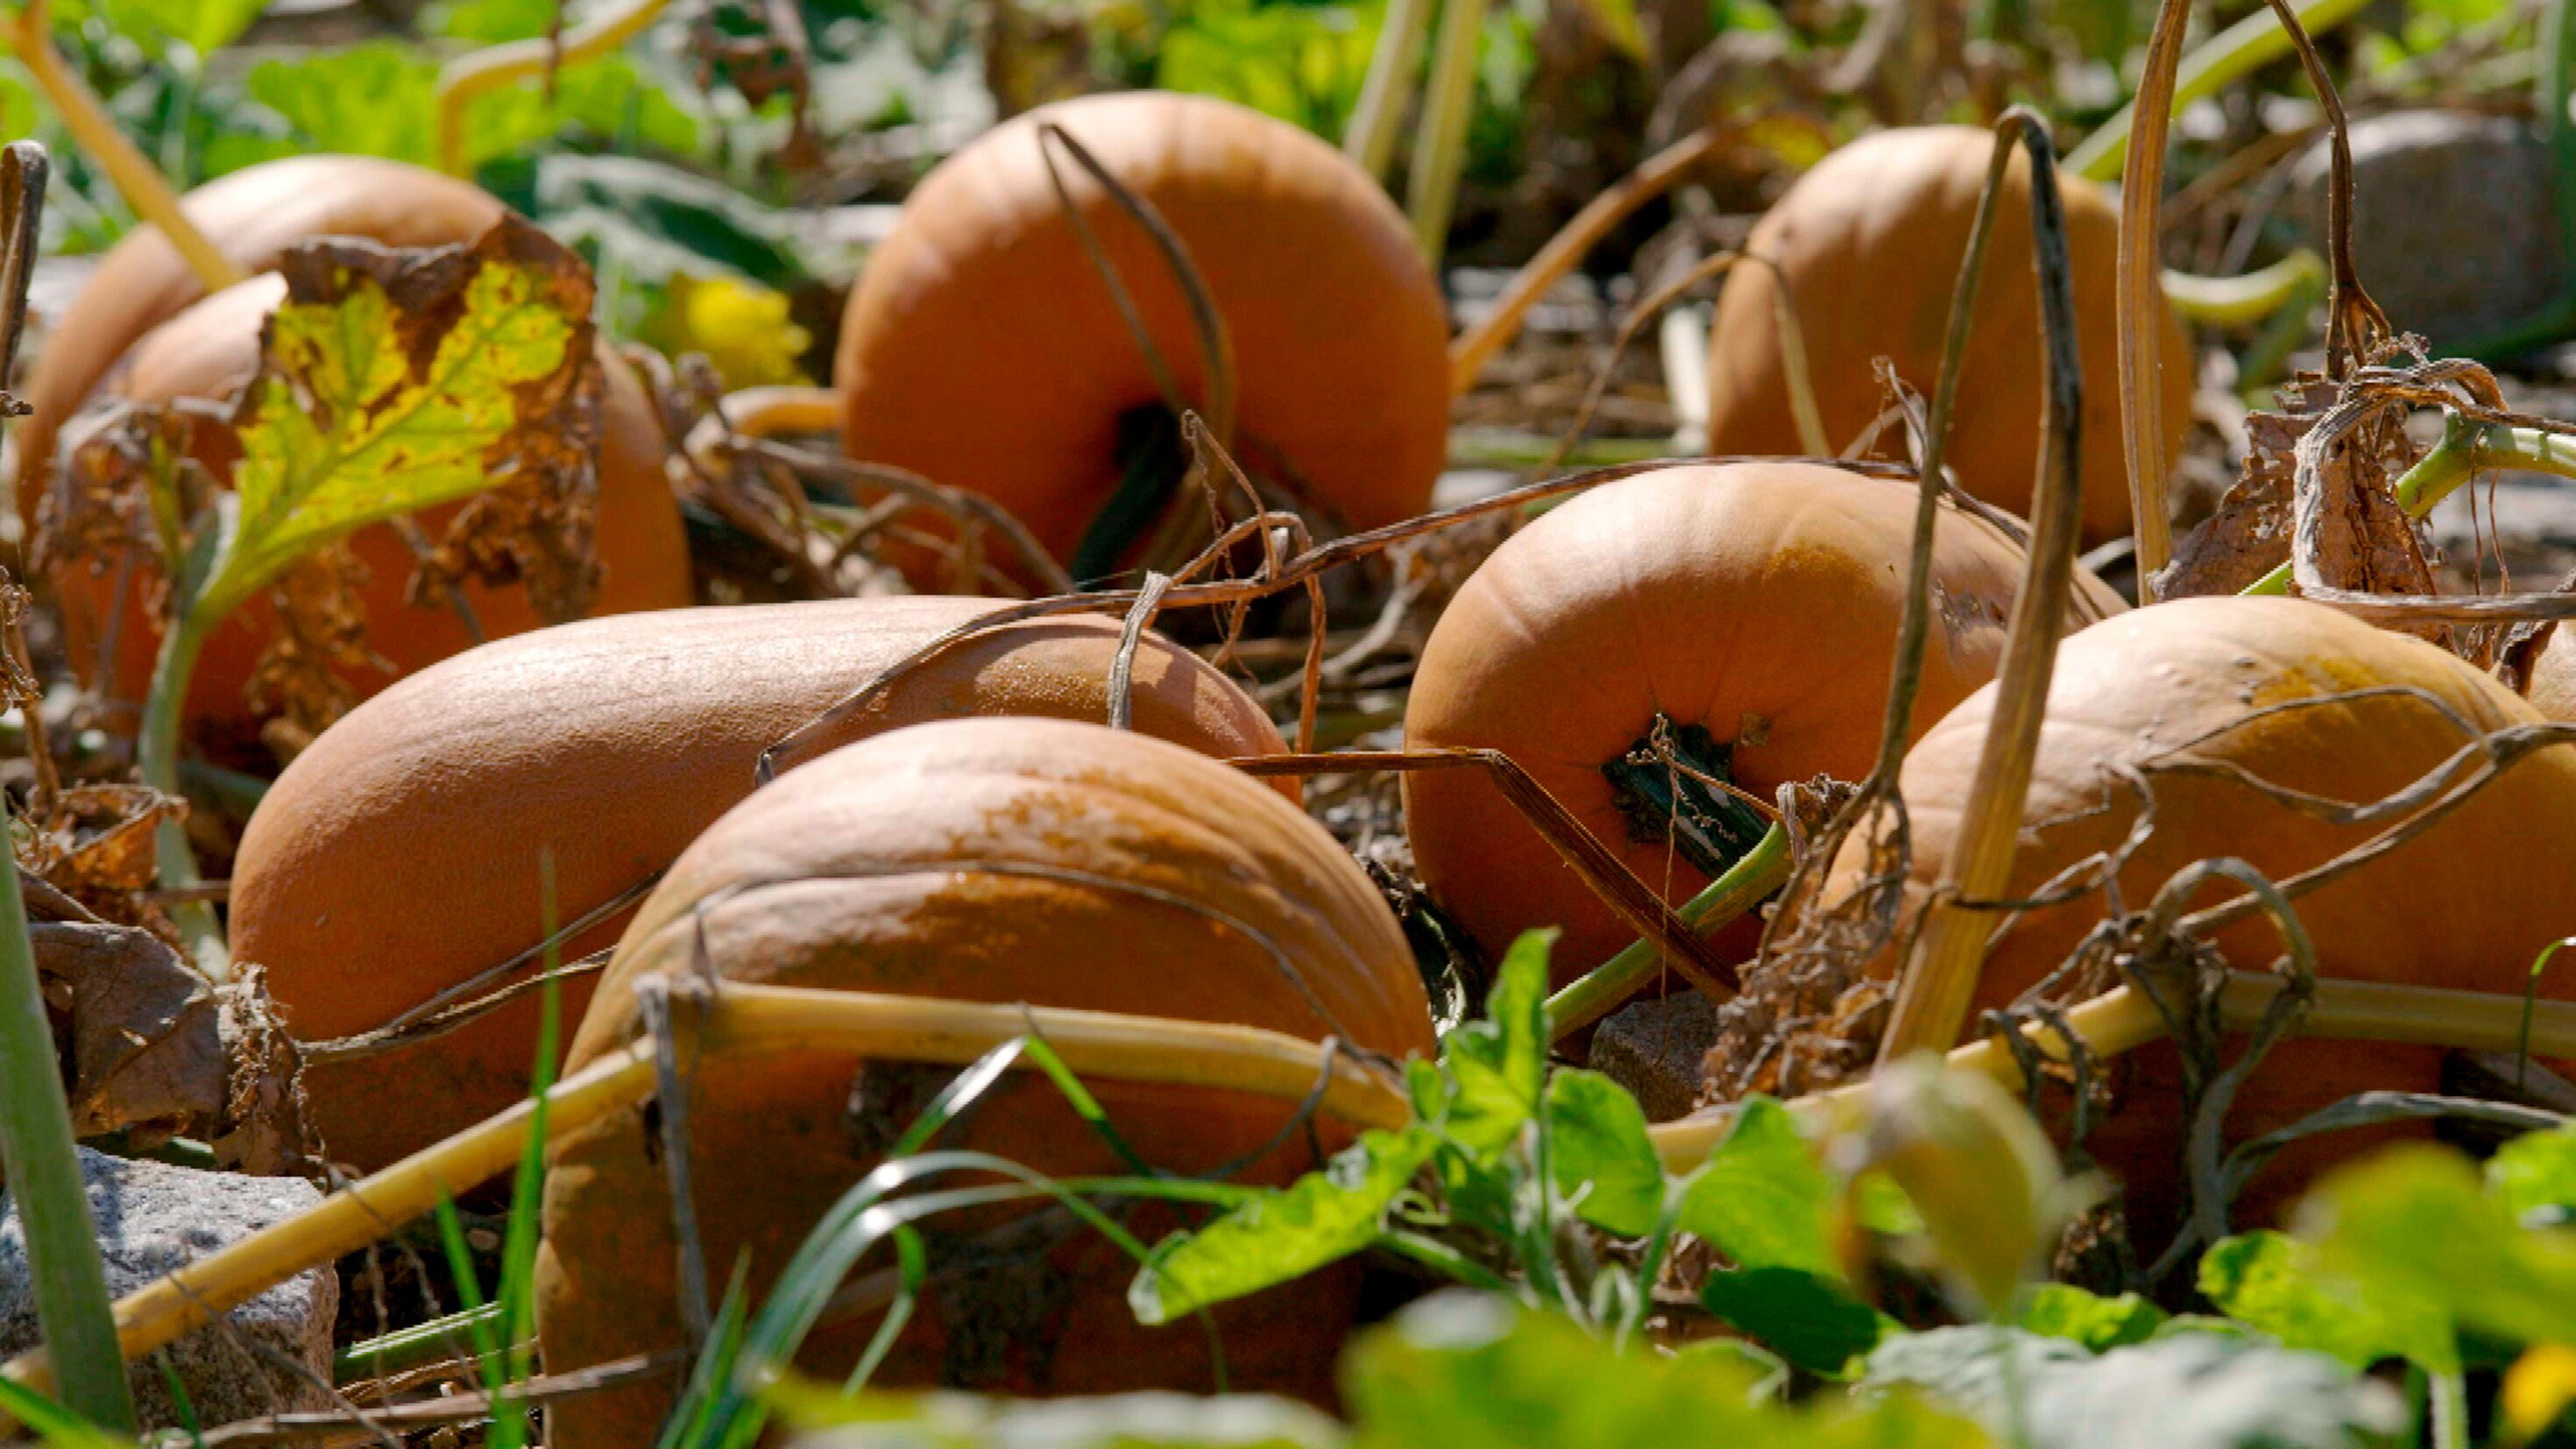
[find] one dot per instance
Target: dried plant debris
(390, 382)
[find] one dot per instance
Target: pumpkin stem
(1674, 785)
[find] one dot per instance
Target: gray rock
(1655, 1050)
(154, 1218)
(2455, 233)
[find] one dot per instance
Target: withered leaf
(145, 1047)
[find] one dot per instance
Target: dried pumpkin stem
(750, 1019)
(1379, 115)
(1940, 975)
(467, 77)
(1660, 173)
(764, 412)
(1601, 990)
(136, 179)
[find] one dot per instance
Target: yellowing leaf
(391, 382)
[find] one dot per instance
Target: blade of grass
(1379, 116)
(1440, 140)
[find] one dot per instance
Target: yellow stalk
(463, 79)
(1108, 1047)
(1378, 117)
(136, 179)
(745, 1019)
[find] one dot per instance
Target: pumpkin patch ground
(1562, 724)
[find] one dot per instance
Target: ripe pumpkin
(1758, 601)
(2466, 905)
(2552, 688)
(865, 876)
(983, 347)
(139, 330)
(400, 855)
(1869, 243)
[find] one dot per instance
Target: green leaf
(2185, 1391)
(2276, 1284)
(1124, 1421)
(2061, 1310)
(2414, 1222)
(1598, 1148)
(1468, 1371)
(1321, 1218)
(1617, 20)
(387, 386)
(204, 26)
(1763, 1199)
(1496, 1067)
(1808, 1319)
(657, 222)
(2534, 1176)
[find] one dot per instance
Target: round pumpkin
(984, 348)
(140, 331)
(1869, 244)
(993, 861)
(2552, 687)
(2466, 905)
(1757, 601)
(400, 855)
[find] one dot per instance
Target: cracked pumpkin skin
(400, 854)
(1339, 333)
(1870, 243)
(140, 330)
(1760, 601)
(2465, 906)
(853, 876)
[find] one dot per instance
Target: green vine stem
(43, 1169)
(1440, 142)
(1375, 121)
(2467, 446)
(1601, 990)
(2249, 44)
(157, 758)
(2298, 279)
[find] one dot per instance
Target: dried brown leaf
(145, 1051)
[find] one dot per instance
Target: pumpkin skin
(399, 855)
(2465, 906)
(850, 880)
(140, 329)
(1710, 594)
(983, 348)
(1869, 243)
(2552, 690)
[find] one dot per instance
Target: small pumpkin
(139, 330)
(1756, 602)
(400, 855)
(2466, 905)
(1869, 244)
(1042, 861)
(983, 347)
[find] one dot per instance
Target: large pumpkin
(984, 348)
(1869, 243)
(138, 330)
(994, 861)
(1757, 601)
(400, 855)
(2466, 905)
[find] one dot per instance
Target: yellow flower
(743, 328)
(2538, 1389)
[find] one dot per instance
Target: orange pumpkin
(1869, 244)
(1757, 601)
(993, 861)
(984, 348)
(399, 856)
(138, 331)
(2466, 905)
